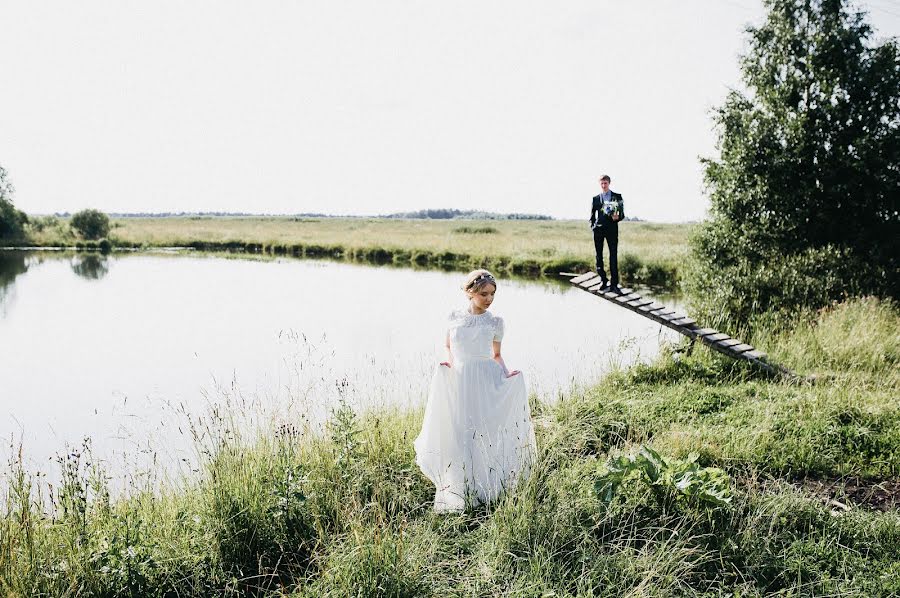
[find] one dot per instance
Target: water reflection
(12, 264)
(90, 266)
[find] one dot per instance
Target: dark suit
(607, 228)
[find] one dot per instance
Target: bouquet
(611, 208)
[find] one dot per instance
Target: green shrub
(669, 478)
(40, 223)
(476, 230)
(629, 265)
(90, 224)
(803, 206)
(12, 221)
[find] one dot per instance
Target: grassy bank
(649, 253)
(348, 514)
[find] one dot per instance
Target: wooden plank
(595, 284)
(685, 321)
(641, 302)
(588, 282)
(730, 342)
(669, 317)
(754, 354)
(626, 298)
(707, 331)
(741, 348)
(712, 338)
(635, 300)
(582, 277)
(653, 306)
(658, 310)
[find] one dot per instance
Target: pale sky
(367, 107)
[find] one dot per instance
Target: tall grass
(651, 254)
(347, 513)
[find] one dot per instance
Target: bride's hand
(513, 373)
(446, 363)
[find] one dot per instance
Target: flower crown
(484, 277)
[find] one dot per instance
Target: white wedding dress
(477, 439)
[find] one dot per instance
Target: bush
(801, 192)
(12, 221)
(476, 230)
(39, 224)
(91, 224)
(727, 295)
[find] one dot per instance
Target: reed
(345, 512)
(650, 254)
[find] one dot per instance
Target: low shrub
(475, 230)
(90, 224)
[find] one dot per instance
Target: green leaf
(651, 463)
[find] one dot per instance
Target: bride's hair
(477, 279)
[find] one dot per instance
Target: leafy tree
(12, 220)
(805, 190)
(91, 224)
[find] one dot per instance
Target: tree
(12, 220)
(805, 190)
(91, 224)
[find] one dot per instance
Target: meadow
(801, 499)
(649, 253)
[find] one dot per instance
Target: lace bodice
(471, 335)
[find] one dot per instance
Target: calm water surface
(136, 351)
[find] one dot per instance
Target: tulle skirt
(477, 439)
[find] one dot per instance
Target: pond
(139, 352)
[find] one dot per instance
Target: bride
(477, 439)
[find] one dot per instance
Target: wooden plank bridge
(650, 309)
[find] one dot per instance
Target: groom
(606, 211)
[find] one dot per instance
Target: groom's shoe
(615, 289)
(604, 284)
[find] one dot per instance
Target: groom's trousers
(611, 234)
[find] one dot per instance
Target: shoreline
(347, 512)
(649, 254)
(633, 271)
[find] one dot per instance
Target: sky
(366, 108)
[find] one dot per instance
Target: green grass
(650, 254)
(348, 513)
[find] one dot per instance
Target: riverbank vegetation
(649, 254)
(803, 191)
(812, 470)
(695, 475)
(12, 221)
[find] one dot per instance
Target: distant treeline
(445, 214)
(439, 214)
